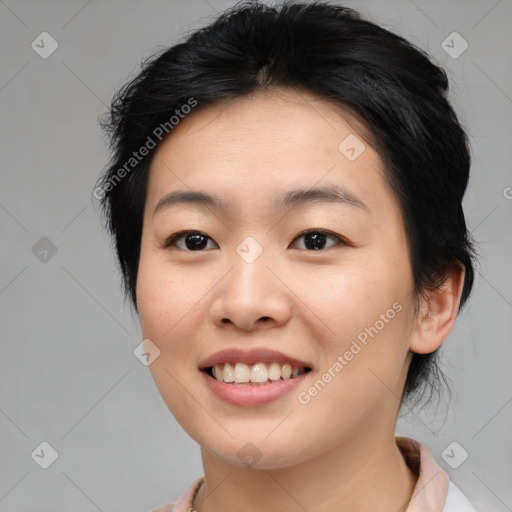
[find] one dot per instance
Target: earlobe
(437, 313)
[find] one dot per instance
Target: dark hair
(386, 82)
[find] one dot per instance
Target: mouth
(258, 374)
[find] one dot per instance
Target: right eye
(193, 240)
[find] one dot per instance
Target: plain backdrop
(68, 374)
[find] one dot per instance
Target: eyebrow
(294, 197)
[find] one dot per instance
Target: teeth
(258, 373)
(286, 371)
(242, 373)
(274, 371)
(228, 375)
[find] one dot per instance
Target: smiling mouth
(255, 374)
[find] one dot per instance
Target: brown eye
(317, 239)
(191, 241)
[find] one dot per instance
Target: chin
(259, 453)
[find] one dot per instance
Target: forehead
(265, 144)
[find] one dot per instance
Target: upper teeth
(259, 372)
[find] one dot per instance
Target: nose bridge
(251, 291)
(250, 272)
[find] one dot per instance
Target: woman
(285, 200)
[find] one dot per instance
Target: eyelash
(341, 241)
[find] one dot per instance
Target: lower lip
(249, 394)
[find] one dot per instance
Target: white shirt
(456, 501)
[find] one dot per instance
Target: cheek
(164, 296)
(366, 310)
(361, 363)
(173, 304)
(353, 296)
(170, 311)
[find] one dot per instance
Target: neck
(365, 472)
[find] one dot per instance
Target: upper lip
(252, 356)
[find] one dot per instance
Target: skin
(338, 451)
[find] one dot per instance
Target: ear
(437, 313)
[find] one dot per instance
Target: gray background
(68, 373)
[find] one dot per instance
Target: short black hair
(389, 84)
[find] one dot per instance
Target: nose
(252, 296)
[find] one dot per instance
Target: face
(321, 282)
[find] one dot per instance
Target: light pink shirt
(434, 491)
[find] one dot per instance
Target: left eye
(315, 239)
(194, 240)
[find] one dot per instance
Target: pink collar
(432, 485)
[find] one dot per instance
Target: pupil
(195, 241)
(316, 239)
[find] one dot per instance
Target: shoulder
(456, 501)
